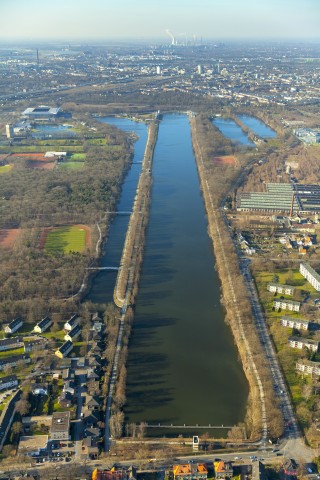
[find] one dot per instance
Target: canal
(183, 366)
(104, 282)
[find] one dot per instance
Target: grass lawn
(5, 168)
(66, 239)
(72, 165)
(9, 353)
(78, 157)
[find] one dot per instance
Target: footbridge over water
(103, 268)
(184, 426)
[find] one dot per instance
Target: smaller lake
(257, 126)
(232, 131)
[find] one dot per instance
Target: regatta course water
(183, 366)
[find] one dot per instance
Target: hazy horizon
(146, 20)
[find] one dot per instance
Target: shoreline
(256, 407)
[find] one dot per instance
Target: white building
(297, 323)
(43, 325)
(308, 367)
(301, 343)
(72, 322)
(13, 326)
(278, 288)
(311, 275)
(286, 305)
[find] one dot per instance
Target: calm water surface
(257, 126)
(231, 130)
(183, 367)
(104, 282)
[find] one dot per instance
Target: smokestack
(38, 57)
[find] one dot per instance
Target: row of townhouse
(283, 304)
(298, 323)
(11, 343)
(308, 367)
(6, 383)
(14, 360)
(301, 343)
(278, 288)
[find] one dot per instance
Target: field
(5, 168)
(71, 165)
(8, 237)
(65, 239)
(78, 157)
(226, 160)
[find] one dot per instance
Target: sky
(116, 19)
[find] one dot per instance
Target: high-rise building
(9, 131)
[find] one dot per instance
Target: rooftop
(60, 421)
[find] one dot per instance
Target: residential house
(308, 367)
(300, 343)
(283, 304)
(64, 350)
(14, 326)
(190, 471)
(60, 426)
(14, 360)
(92, 402)
(278, 288)
(72, 322)
(297, 323)
(73, 334)
(223, 469)
(11, 343)
(43, 325)
(90, 447)
(311, 275)
(6, 383)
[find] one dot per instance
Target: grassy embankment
(263, 415)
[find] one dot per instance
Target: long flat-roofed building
(308, 367)
(311, 275)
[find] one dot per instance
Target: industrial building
(282, 197)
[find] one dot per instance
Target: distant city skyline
(107, 19)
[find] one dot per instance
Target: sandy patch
(8, 237)
(226, 160)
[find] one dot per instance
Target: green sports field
(67, 239)
(5, 168)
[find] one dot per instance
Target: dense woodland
(33, 282)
